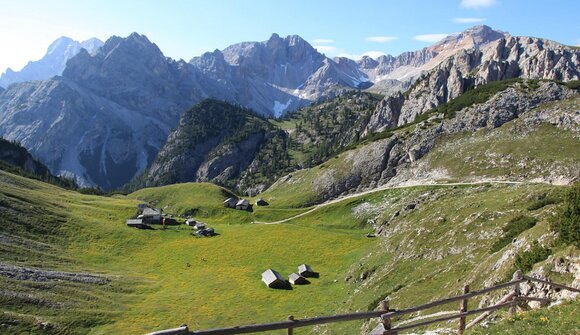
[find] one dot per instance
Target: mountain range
(104, 120)
(52, 63)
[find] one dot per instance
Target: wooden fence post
(463, 309)
(290, 330)
(385, 320)
(518, 275)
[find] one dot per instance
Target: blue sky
(187, 28)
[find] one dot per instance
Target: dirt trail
(388, 187)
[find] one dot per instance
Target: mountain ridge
(52, 63)
(134, 96)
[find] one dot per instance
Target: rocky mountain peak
(473, 37)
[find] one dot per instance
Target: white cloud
(322, 41)
(381, 39)
(371, 54)
(430, 38)
(477, 3)
(327, 49)
(469, 19)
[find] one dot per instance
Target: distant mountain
(53, 62)
(104, 120)
(275, 76)
(389, 73)
(506, 58)
(16, 159)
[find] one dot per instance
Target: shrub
(545, 201)
(567, 222)
(514, 227)
(525, 261)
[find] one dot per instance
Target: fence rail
(386, 314)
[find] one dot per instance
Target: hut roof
(151, 211)
(230, 201)
(261, 202)
(131, 222)
(243, 202)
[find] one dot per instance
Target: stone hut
(243, 204)
(306, 271)
(273, 279)
(230, 203)
(296, 279)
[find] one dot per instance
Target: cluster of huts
(242, 204)
(273, 279)
(148, 215)
(201, 228)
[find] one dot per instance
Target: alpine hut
(261, 202)
(273, 279)
(230, 203)
(151, 215)
(306, 271)
(297, 279)
(243, 204)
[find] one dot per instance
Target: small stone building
(297, 279)
(306, 271)
(230, 203)
(261, 202)
(243, 204)
(273, 279)
(136, 223)
(151, 215)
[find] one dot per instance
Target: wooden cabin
(243, 204)
(297, 279)
(273, 279)
(230, 203)
(261, 202)
(151, 215)
(306, 271)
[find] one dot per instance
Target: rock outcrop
(506, 58)
(376, 163)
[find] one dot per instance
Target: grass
(510, 151)
(562, 319)
(163, 278)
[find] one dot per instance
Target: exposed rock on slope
(506, 58)
(105, 119)
(390, 73)
(53, 62)
(377, 162)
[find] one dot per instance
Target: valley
(399, 178)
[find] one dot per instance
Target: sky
(188, 28)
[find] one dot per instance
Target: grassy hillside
(562, 319)
(512, 151)
(518, 150)
(158, 279)
(162, 278)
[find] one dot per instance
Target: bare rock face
(505, 58)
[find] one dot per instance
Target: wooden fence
(386, 314)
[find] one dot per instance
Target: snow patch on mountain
(280, 108)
